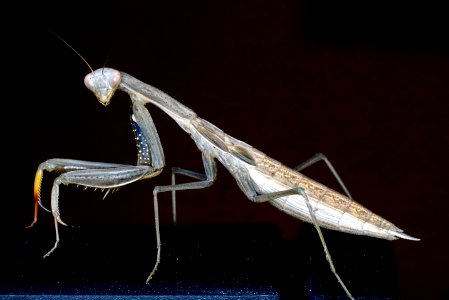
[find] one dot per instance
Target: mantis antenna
(68, 45)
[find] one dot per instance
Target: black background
(365, 84)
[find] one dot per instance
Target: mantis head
(103, 83)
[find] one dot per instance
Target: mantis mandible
(261, 178)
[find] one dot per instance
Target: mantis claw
(52, 249)
(43, 207)
(58, 218)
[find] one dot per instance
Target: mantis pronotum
(261, 178)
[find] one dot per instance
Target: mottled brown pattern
(288, 176)
(381, 222)
(268, 166)
(313, 189)
(358, 211)
(337, 201)
(319, 193)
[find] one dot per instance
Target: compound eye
(113, 77)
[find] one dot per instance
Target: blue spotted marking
(143, 151)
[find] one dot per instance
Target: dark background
(365, 84)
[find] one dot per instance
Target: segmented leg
(150, 162)
(245, 183)
(318, 157)
(180, 171)
(326, 251)
(251, 192)
(87, 174)
(207, 180)
(61, 165)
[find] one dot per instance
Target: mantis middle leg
(245, 183)
(206, 180)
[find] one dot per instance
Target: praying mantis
(261, 178)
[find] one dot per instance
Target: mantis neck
(145, 93)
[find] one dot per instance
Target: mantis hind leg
(251, 192)
(323, 242)
(318, 157)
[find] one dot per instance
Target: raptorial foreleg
(95, 178)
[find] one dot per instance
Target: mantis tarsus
(261, 178)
